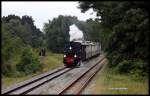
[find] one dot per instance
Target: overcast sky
(41, 12)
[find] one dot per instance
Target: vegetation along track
(35, 82)
(76, 86)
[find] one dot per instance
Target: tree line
(20, 38)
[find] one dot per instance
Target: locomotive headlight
(70, 47)
(64, 55)
(75, 55)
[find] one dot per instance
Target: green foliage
(17, 33)
(29, 62)
(57, 32)
(140, 68)
(124, 32)
(93, 30)
(24, 28)
(11, 46)
(114, 59)
(134, 67)
(125, 66)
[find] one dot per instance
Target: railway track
(36, 82)
(74, 86)
(77, 85)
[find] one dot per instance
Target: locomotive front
(72, 54)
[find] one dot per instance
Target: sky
(41, 12)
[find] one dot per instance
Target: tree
(57, 32)
(11, 46)
(17, 33)
(125, 24)
(24, 28)
(29, 62)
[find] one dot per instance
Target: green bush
(29, 62)
(114, 59)
(140, 68)
(7, 68)
(125, 66)
(135, 67)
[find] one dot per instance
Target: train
(77, 51)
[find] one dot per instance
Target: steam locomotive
(77, 51)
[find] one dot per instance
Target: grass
(50, 61)
(107, 82)
(7, 81)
